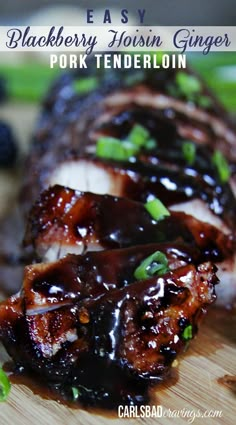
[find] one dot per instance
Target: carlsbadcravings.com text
(183, 40)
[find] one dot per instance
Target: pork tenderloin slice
(139, 181)
(67, 220)
(146, 97)
(74, 123)
(50, 285)
(133, 333)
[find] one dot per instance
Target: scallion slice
(111, 148)
(76, 393)
(189, 151)
(85, 85)
(123, 150)
(155, 264)
(204, 102)
(222, 166)
(139, 135)
(156, 209)
(5, 386)
(108, 147)
(150, 144)
(189, 85)
(129, 149)
(188, 333)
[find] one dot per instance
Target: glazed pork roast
(103, 325)
(147, 135)
(129, 199)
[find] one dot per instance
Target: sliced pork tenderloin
(74, 118)
(65, 220)
(140, 182)
(104, 335)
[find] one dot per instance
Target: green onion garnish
(189, 85)
(188, 333)
(189, 151)
(76, 393)
(156, 209)
(155, 264)
(151, 144)
(139, 135)
(129, 149)
(5, 386)
(111, 148)
(123, 150)
(204, 102)
(222, 166)
(85, 85)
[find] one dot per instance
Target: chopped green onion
(76, 393)
(155, 264)
(222, 166)
(85, 85)
(151, 144)
(5, 386)
(204, 101)
(139, 135)
(156, 209)
(189, 151)
(123, 150)
(111, 148)
(188, 85)
(108, 147)
(188, 333)
(129, 149)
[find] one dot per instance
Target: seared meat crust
(69, 327)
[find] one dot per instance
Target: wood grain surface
(211, 355)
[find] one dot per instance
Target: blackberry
(8, 146)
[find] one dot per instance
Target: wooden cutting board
(211, 356)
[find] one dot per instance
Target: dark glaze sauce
(95, 273)
(115, 79)
(38, 387)
(70, 117)
(164, 172)
(140, 181)
(128, 336)
(77, 105)
(65, 395)
(131, 338)
(165, 132)
(61, 214)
